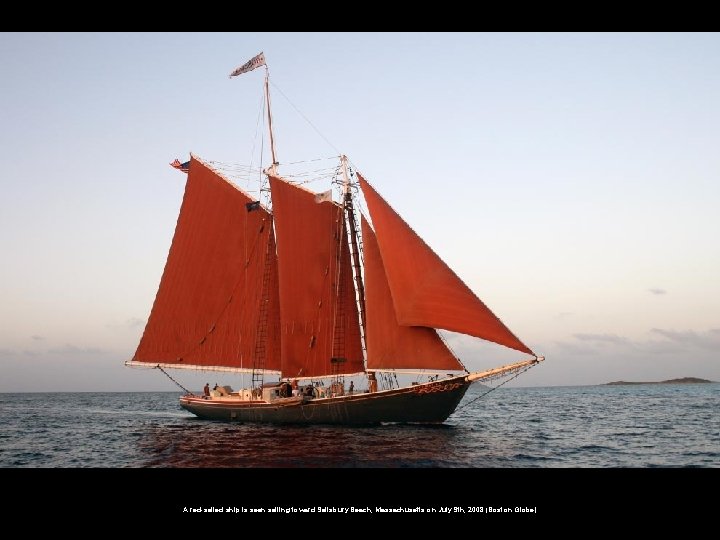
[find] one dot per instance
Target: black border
(162, 495)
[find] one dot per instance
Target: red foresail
(207, 311)
(318, 314)
(425, 291)
(389, 345)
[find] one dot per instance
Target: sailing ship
(303, 292)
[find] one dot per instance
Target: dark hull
(428, 403)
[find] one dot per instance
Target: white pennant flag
(324, 196)
(251, 64)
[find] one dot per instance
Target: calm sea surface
(590, 426)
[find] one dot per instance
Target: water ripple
(600, 426)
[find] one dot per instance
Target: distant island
(684, 380)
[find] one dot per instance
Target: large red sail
(318, 317)
(425, 291)
(207, 309)
(389, 345)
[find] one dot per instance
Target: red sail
(389, 345)
(425, 291)
(207, 309)
(318, 317)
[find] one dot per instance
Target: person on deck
(206, 390)
(372, 382)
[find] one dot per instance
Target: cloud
(703, 340)
(12, 354)
(657, 291)
(603, 338)
(593, 344)
(66, 350)
(75, 350)
(670, 342)
(576, 349)
(37, 338)
(598, 343)
(132, 322)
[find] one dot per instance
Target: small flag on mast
(184, 167)
(251, 64)
(324, 196)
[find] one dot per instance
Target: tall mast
(355, 251)
(273, 167)
(253, 63)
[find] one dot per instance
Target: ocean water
(559, 427)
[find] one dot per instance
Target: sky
(571, 180)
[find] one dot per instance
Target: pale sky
(570, 179)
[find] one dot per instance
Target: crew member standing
(372, 382)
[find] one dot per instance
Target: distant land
(684, 380)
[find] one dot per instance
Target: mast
(258, 373)
(273, 167)
(354, 247)
(269, 272)
(262, 345)
(308, 236)
(255, 62)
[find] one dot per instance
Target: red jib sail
(320, 332)
(220, 272)
(425, 291)
(389, 345)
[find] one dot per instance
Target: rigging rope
(305, 117)
(173, 380)
(496, 387)
(247, 174)
(310, 160)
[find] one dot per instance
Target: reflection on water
(199, 443)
